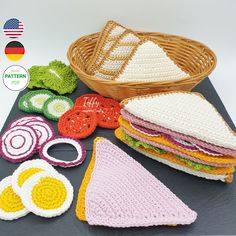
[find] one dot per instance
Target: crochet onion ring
(207, 151)
(18, 143)
(26, 170)
(81, 152)
(24, 119)
(11, 207)
(181, 143)
(145, 131)
(43, 129)
(47, 194)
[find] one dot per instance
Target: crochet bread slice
(121, 193)
(183, 112)
(108, 36)
(132, 58)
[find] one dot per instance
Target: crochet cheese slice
(118, 192)
(184, 112)
(132, 58)
(224, 174)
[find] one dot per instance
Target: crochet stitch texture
(184, 112)
(122, 55)
(182, 130)
(121, 193)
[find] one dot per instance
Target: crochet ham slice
(119, 192)
(182, 130)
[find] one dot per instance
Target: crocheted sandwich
(182, 130)
(118, 192)
(121, 54)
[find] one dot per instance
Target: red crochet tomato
(77, 123)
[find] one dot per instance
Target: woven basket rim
(152, 83)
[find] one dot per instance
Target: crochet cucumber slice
(37, 99)
(56, 106)
(23, 103)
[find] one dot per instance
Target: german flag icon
(14, 51)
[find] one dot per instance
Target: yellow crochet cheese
(80, 206)
(24, 175)
(49, 193)
(164, 141)
(10, 201)
(119, 133)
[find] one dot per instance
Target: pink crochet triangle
(122, 193)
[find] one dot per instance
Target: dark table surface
(215, 202)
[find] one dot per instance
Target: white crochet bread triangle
(122, 193)
(108, 36)
(184, 112)
(132, 58)
(150, 63)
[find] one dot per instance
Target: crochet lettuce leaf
(56, 76)
(134, 143)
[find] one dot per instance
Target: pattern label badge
(13, 28)
(14, 51)
(16, 78)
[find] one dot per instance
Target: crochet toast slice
(129, 57)
(186, 113)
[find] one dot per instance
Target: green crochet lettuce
(134, 143)
(56, 76)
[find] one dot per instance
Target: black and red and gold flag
(14, 51)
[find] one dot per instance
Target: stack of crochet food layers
(121, 55)
(182, 130)
(118, 192)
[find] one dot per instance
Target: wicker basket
(193, 57)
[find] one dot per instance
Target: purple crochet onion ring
(144, 130)
(43, 152)
(208, 151)
(43, 129)
(18, 143)
(181, 143)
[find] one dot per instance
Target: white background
(51, 25)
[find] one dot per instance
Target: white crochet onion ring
(24, 119)
(18, 143)
(81, 152)
(43, 129)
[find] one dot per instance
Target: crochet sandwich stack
(182, 130)
(120, 54)
(118, 192)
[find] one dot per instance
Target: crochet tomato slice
(89, 102)
(77, 123)
(110, 104)
(108, 117)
